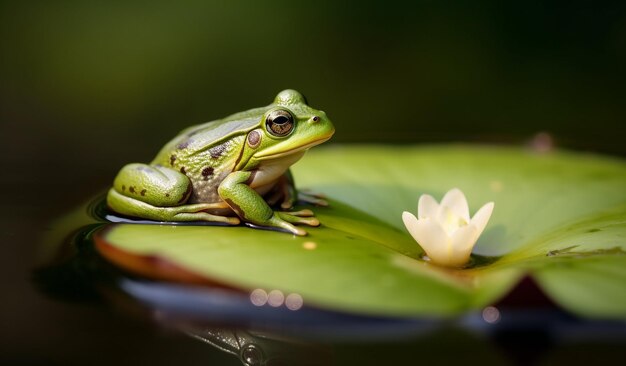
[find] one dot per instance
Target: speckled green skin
(226, 170)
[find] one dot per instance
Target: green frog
(229, 170)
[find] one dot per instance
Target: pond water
(89, 310)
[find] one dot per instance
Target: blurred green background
(88, 86)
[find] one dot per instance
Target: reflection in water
(79, 274)
(257, 348)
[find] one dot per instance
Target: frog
(230, 171)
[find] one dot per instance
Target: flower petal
(429, 235)
(462, 243)
(448, 221)
(456, 202)
(427, 206)
(464, 239)
(410, 221)
(481, 217)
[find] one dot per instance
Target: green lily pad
(559, 217)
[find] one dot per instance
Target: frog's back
(201, 137)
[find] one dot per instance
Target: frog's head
(288, 126)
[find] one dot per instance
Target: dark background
(87, 86)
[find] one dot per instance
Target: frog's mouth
(292, 151)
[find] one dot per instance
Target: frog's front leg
(251, 207)
(159, 193)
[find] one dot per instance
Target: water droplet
(251, 355)
(309, 245)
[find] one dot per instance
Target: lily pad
(559, 217)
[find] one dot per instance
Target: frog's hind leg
(129, 206)
(159, 193)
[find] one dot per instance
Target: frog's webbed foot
(255, 209)
(304, 217)
(301, 213)
(285, 221)
(308, 197)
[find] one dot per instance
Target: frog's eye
(279, 123)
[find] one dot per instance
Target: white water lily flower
(445, 230)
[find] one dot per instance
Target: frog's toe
(312, 199)
(317, 202)
(306, 219)
(298, 231)
(232, 220)
(311, 221)
(287, 204)
(301, 213)
(282, 221)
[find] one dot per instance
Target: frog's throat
(292, 151)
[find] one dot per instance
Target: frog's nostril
(315, 119)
